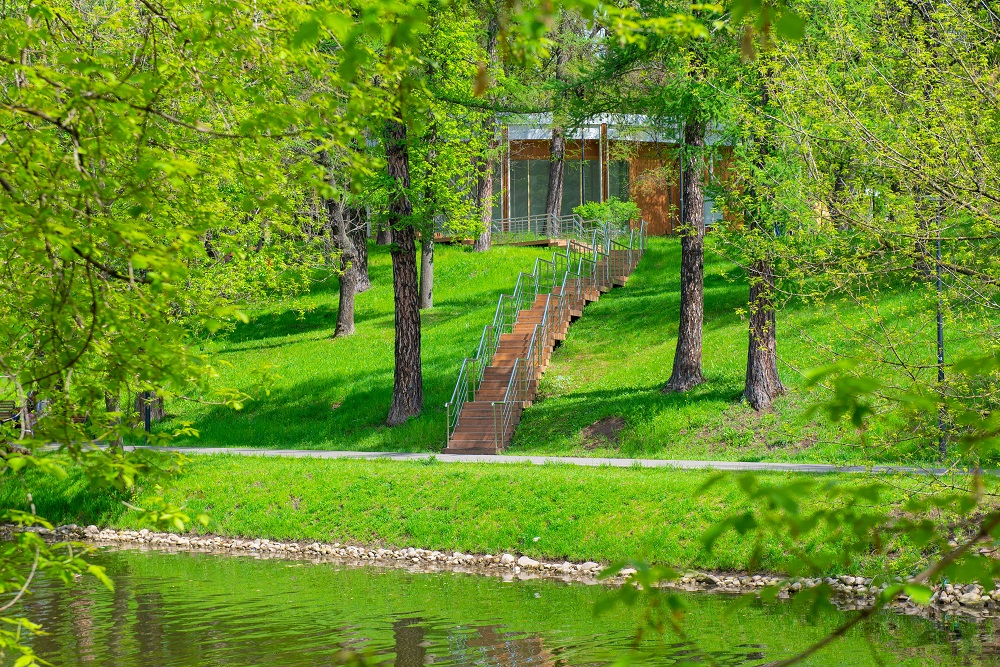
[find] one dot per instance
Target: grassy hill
(600, 396)
(313, 391)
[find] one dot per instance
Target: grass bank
(552, 512)
(313, 391)
(599, 397)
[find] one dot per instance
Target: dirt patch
(602, 433)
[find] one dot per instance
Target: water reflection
(174, 610)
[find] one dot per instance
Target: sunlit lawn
(334, 393)
(618, 356)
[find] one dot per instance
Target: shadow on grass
(319, 414)
(562, 418)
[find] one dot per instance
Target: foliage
(143, 201)
(312, 391)
(613, 210)
(157, 168)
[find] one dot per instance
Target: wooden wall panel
(654, 179)
(654, 185)
(538, 149)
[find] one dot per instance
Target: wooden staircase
(496, 393)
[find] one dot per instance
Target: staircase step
(475, 431)
(470, 451)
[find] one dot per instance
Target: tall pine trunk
(358, 231)
(687, 357)
(427, 271)
(407, 386)
(487, 166)
(557, 145)
(762, 382)
(557, 173)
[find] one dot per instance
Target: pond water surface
(178, 609)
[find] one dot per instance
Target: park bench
(8, 411)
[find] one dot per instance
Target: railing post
(496, 438)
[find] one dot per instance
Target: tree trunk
(407, 388)
(484, 199)
(557, 145)
(687, 357)
(335, 225)
(763, 384)
(358, 231)
(348, 259)
(486, 167)
(557, 173)
(112, 404)
(427, 234)
(157, 411)
(427, 271)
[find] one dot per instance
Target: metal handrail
(587, 259)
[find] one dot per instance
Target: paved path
(576, 460)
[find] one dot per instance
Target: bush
(613, 210)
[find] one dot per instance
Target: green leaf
(918, 593)
(17, 462)
(790, 25)
(308, 32)
(99, 572)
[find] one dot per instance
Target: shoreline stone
(849, 592)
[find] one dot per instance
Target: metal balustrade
(594, 255)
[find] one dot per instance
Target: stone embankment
(849, 592)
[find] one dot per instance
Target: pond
(181, 609)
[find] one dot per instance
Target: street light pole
(942, 440)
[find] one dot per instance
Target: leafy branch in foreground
(953, 518)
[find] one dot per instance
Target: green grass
(618, 356)
(328, 393)
(554, 511)
(313, 391)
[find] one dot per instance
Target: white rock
(971, 599)
(507, 559)
(524, 561)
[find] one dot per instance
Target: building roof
(621, 127)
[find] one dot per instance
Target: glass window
(591, 180)
(618, 182)
(538, 186)
(571, 187)
(518, 188)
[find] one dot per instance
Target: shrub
(613, 210)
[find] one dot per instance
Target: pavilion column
(605, 187)
(505, 175)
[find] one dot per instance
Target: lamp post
(942, 440)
